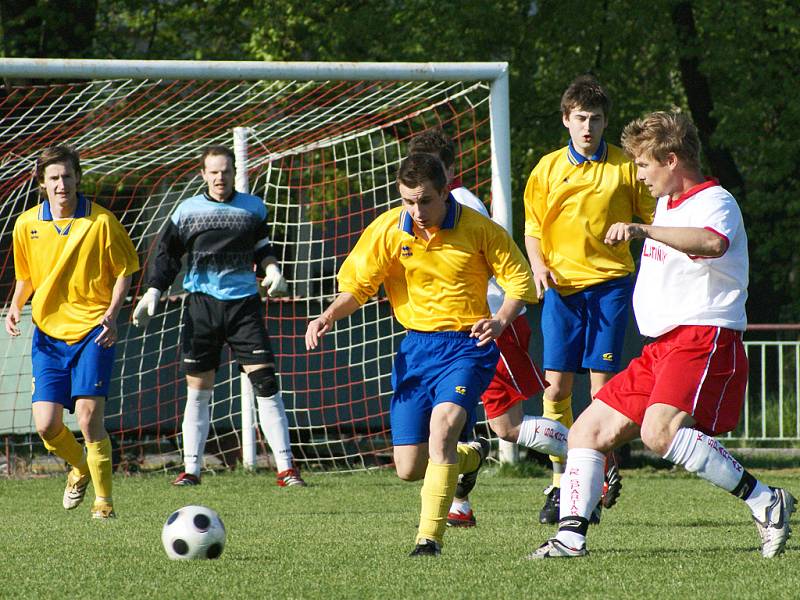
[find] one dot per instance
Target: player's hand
(108, 336)
(542, 279)
(146, 307)
(12, 321)
(274, 282)
(486, 330)
(316, 329)
(624, 232)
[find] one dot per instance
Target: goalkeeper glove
(146, 307)
(274, 282)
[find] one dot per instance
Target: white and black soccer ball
(193, 532)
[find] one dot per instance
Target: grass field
(347, 536)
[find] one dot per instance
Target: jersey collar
(225, 201)
(710, 182)
(576, 158)
(406, 223)
(81, 209)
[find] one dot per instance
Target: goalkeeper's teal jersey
(439, 284)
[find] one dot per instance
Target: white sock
(460, 506)
(543, 435)
(581, 488)
(195, 429)
(702, 454)
(275, 426)
(760, 499)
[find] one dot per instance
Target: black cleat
(466, 482)
(552, 506)
(613, 482)
(426, 548)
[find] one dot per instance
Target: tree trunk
(701, 104)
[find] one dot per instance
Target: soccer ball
(193, 532)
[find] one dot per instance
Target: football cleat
(186, 479)
(427, 548)
(76, 489)
(612, 486)
(552, 506)
(102, 509)
(459, 519)
(553, 548)
(466, 482)
(290, 477)
(774, 528)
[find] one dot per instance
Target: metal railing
(772, 404)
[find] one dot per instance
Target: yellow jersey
(72, 264)
(571, 201)
(439, 284)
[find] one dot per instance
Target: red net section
(323, 155)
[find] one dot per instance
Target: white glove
(146, 307)
(274, 282)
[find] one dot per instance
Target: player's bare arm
(695, 241)
(344, 305)
(108, 336)
(542, 276)
(22, 291)
(487, 330)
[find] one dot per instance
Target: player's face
(657, 176)
(61, 183)
(218, 175)
(586, 127)
(425, 204)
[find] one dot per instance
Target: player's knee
(656, 437)
(504, 430)
(47, 431)
(409, 473)
(264, 381)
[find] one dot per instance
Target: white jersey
(674, 288)
(495, 294)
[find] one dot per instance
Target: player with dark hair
(689, 383)
(224, 233)
(516, 376)
(572, 197)
(76, 260)
(434, 258)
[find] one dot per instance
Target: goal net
(323, 154)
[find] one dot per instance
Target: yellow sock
(437, 493)
(561, 411)
(468, 458)
(64, 445)
(98, 455)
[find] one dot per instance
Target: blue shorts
(63, 372)
(586, 330)
(431, 368)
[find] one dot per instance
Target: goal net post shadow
(321, 144)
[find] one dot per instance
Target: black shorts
(209, 323)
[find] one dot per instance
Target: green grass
(347, 536)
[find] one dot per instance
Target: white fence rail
(772, 404)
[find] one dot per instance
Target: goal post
(323, 143)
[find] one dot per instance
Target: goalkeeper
(76, 260)
(434, 258)
(222, 232)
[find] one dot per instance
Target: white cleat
(553, 548)
(774, 528)
(76, 489)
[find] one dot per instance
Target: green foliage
(347, 536)
(745, 51)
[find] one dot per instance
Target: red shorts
(699, 369)
(517, 378)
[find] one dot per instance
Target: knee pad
(265, 382)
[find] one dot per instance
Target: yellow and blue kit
(571, 201)
(73, 265)
(437, 289)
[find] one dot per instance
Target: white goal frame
(494, 73)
